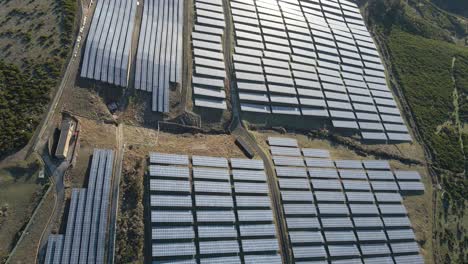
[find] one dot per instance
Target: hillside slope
(427, 59)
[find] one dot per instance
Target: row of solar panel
(159, 55)
(85, 235)
(107, 52)
(174, 219)
(203, 161)
(350, 221)
(275, 44)
(208, 59)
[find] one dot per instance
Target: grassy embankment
(430, 66)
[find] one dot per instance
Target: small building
(66, 132)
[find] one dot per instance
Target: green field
(35, 39)
(429, 63)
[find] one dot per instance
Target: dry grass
(27, 249)
(29, 30)
(20, 191)
(93, 134)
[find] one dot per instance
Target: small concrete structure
(66, 132)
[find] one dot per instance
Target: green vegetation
(20, 192)
(68, 9)
(130, 226)
(431, 69)
(23, 96)
(35, 39)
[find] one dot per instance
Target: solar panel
(309, 252)
(209, 161)
(364, 209)
(340, 236)
(213, 216)
(297, 196)
(252, 201)
(379, 260)
(284, 142)
(343, 250)
(225, 260)
(255, 215)
(413, 259)
(384, 186)
(217, 231)
(374, 249)
(291, 172)
(257, 230)
(173, 249)
(302, 223)
(288, 161)
(336, 222)
(247, 164)
(285, 151)
(168, 171)
(348, 164)
(401, 234)
(405, 247)
(210, 174)
(169, 185)
(305, 237)
(315, 153)
(323, 173)
(171, 201)
(299, 209)
(396, 221)
(262, 259)
(214, 201)
(333, 209)
(330, 184)
(169, 159)
(319, 163)
(359, 197)
(407, 175)
(259, 245)
(251, 188)
(171, 233)
(392, 209)
(329, 196)
(371, 235)
(165, 217)
(367, 222)
(212, 187)
(380, 175)
(289, 183)
(406, 186)
(353, 174)
(388, 197)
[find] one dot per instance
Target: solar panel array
(159, 56)
(209, 70)
(85, 236)
(210, 210)
(344, 210)
(107, 52)
(316, 59)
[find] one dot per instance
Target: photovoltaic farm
(316, 59)
(85, 239)
(344, 211)
(211, 210)
(216, 210)
(107, 54)
(160, 50)
(209, 71)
